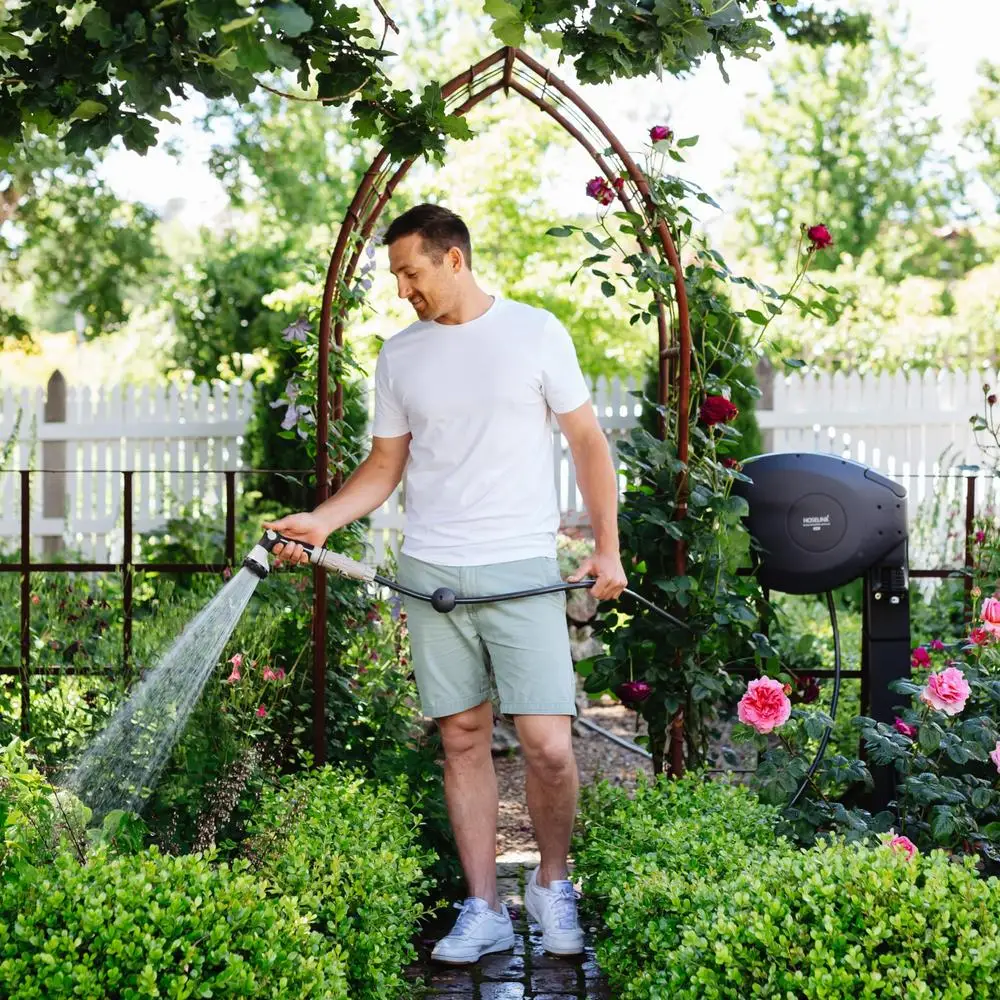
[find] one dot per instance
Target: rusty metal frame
(508, 69)
(25, 566)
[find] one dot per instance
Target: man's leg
(552, 786)
(470, 787)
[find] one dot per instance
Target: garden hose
(832, 608)
(445, 600)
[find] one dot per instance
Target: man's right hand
(305, 527)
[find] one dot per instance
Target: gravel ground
(597, 757)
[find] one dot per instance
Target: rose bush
(669, 503)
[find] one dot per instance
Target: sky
(951, 39)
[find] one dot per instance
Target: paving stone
(509, 869)
(502, 967)
(555, 979)
(502, 991)
(452, 980)
(541, 959)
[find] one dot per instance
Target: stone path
(527, 973)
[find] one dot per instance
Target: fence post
(765, 382)
(54, 457)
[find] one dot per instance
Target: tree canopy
(96, 69)
(845, 138)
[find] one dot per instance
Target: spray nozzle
(257, 560)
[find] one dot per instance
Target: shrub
(349, 851)
(156, 925)
(836, 922)
(699, 899)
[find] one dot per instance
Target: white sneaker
(554, 910)
(478, 931)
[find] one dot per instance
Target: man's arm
(595, 472)
(368, 487)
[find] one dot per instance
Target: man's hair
(439, 230)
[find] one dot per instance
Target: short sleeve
(390, 418)
(563, 383)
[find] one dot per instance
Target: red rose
(731, 463)
(631, 693)
(600, 191)
(618, 184)
(992, 399)
(660, 133)
(819, 236)
(717, 410)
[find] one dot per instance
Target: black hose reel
(820, 522)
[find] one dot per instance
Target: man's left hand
(606, 568)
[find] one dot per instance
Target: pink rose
(660, 133)
(980, 536)
(261, 712)
(937, 645)
(920, 657)
(990, 614)
(905, 728)
(765, 706)
(979, 636)
(904, 846)
(995, 755)
(819, 236)
(947, 691)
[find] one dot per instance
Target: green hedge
(349, 850)
(152, 925)
(699, 900)
(324, 905)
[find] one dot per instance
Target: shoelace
(564, 907)
(466, 918)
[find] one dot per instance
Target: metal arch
(506, 69)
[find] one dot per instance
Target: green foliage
(700, 900)
(103, 71)
(349, 852)
(946, 793)
(879, 325)
(219, 318)
(609, 40)
(720, 344)
(670, 501)
(846, 139)
(155, 925)
(982, 131)
(81, 249)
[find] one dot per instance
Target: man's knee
(547, 743)
(467, 733)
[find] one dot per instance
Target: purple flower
(296, 331)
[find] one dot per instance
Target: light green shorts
(521, 646)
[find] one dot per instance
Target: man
(465, 395)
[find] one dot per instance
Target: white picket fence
(178, 439)
(913, 428)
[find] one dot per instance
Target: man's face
(430, 288)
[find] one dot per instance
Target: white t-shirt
(477, 398)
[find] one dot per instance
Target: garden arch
(506, 69)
